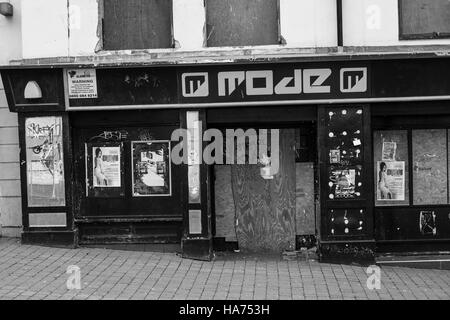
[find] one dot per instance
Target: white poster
(106, 167)
(391, 180)
(389, 150)
(82, 83)
(151, 168)
(344, 182)
(45, 161)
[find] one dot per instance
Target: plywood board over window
(137, 24)
(424, 19)
(429, 149)
(242, 22)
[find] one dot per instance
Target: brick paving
(35, 272)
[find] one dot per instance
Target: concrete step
(422, 260)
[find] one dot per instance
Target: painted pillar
(346, 186)
(197, 239)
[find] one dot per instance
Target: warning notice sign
(82, 83)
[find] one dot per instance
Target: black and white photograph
(224, 158)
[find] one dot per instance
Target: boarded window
(429, 166)
(242, 22)
(424, 19)
(137, 24)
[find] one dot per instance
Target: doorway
(257, 213)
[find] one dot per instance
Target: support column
(197, 239)
(346, 184)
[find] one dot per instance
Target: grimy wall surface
(10, 196)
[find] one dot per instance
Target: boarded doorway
(268, 215)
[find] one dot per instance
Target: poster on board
(389, 150)
(82, 83)
(151, 168)
(106, 167)
(335, 156)
(391, 180)
(427, 223)
(344, 183)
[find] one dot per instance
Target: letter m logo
(195, 84)
(353, 80)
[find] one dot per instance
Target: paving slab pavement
(36, 272)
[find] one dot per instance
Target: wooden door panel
(265, 209)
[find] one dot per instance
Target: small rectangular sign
(82, 83)
(195, 221)
(47, 220)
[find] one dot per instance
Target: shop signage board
(275, 82)
(234, 84)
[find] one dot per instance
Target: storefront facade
(363, 155)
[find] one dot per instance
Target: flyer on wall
(391, 180)
(389, 150)
(106, 167)
(344, 183)
(151, 168)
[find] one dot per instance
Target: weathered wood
(3, 102)
(265, 209)
(11, 211)
(304, 199)
(429, 156)
(7, 118)
(9, 171)
(137, 24)
(424, 18)
(9, 135)
(10, 188)
(224, 203)
(9, 153)
(241, 22)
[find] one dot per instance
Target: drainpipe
(340, 37)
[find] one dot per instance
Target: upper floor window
(242, 22)
(137, 24)
(424, 19)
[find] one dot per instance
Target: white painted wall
(45, 28)
(375, 23)
(189, 19)
(10, 195)
(60, 28)
(10, 35)
(83, 25)
(309, 23)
